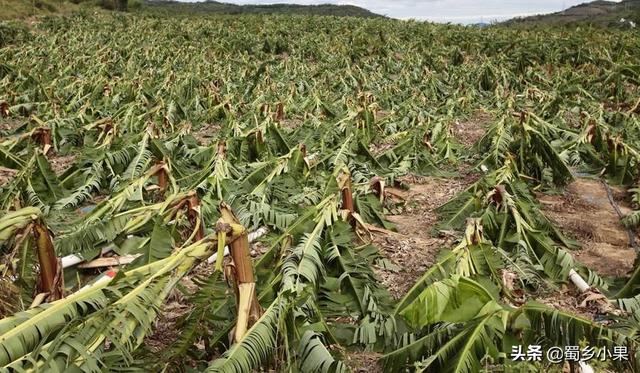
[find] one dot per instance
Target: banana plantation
(249, 169)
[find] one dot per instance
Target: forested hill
(598, 13)
(215, 7)
(20, 9)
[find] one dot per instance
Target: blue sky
(457, 11)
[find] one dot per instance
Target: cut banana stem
(71, 260)
(50, 267)
(249, 310)
(258, 233)
(104, 279)
(112, 261)
(245, 297)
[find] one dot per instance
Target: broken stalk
(346, 191)
(249, 310)
(50, 267)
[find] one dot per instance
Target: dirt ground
(363, 362)
(585, 213)
(60, 163)
(9, 124)
(468, 132)
(164, 332)
(413, 247)
(206, 133)
(6, 175)
(9, 294)
(568, 299)
(291, 123)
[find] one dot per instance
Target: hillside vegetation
(17, 9)
(597, 13)
(14, 9)
(312, 194)
(214, 7)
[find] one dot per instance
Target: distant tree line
(121, 5)
(214, 7)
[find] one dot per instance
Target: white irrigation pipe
(578, 281)
(75, 259)
(103, 279)
(583, 286)
(100, 281)
(252, 237)
(585, 368)
(106, 277)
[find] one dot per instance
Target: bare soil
(468, 132)
(205, 133)
(164, 330)
(291, 123)
(413, 247)
(585, 213)
(6, 175)
(9, 294)
(9, 124)
(568, 299)
(363, 362)
(60, 163)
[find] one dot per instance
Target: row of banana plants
(187, 134)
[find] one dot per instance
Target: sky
(455, 11)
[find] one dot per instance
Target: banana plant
(512, 221)
(299, 125)
(462, 326)
(22, 231)
(523, 142)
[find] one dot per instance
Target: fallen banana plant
(240, 272)
(21, 231)
(458, 322)
(143, 289)
(297, 128)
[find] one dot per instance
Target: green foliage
(452, 300)
(256, 347)
(600, 14)
(214, 7)
(127, 145)
(13, 33)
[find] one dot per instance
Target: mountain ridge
(216, 7)
(597, 13)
